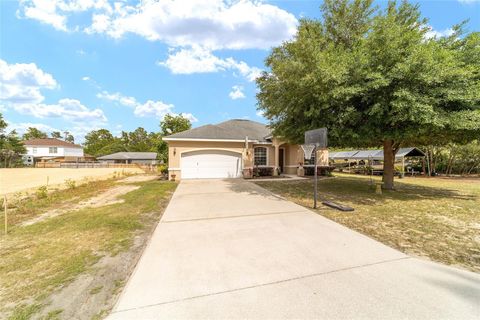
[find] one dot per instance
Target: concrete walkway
(228, 249)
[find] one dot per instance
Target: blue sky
(80, 65)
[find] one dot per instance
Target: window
(52, 150)
(34, 150)
(260, 156)
(311, 161)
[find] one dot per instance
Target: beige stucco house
(232, 149)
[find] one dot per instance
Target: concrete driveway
(229, 249)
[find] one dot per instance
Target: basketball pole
(316, 181)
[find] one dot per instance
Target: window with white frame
(310, 161)
(260, 156)
(34, 150)
(52, 149)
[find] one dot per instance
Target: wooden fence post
(6, 217)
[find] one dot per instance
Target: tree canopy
(11, 146)
(373, 77)
(34, 133)
(101, 142)
(56, 134)
(174, 123)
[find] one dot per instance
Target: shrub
(42, 192)
(70, 183)
(321, 170)
(163, 169)
(263, 171)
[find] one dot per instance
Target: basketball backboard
(318, 137)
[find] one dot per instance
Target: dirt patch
(108, 197)
(139, 178)
(92, 295)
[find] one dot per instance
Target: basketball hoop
(316, 138)
(308, 150)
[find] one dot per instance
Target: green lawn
(40, 258)
(437, 218)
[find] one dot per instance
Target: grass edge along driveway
(40, 259)
(434, 218)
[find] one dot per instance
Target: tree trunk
(389, 152)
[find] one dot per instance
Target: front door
(281, 155)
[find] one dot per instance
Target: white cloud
(189, 116)
(57, 12)
(468, 1)
(200, 60)
(260, 113)
(118, 97)
(236, 93)
(100, 24)
(22, 82)
(20, 86)
(153, 109)
(432, 33)
(44, 11)
(85, 78)
(67, 109)
(148, 109)
(22, 127)
(214, 24)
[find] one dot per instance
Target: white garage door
(211, 164)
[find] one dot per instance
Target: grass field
(14, 180)
(436, 218)
(44, 258)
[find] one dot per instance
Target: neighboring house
(51, 149)
(130, 157)
(231, 149)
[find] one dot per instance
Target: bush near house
(262, 171)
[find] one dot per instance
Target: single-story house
(231, 149)
(130, 157)
(52, 150)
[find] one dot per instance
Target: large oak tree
(373, 78)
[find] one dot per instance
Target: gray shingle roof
(130, 156)
(236, 129)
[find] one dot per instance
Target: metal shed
(374, 154)
(130, 157)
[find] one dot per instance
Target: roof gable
(236, 129)
(50, 142)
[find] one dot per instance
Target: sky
(82, 65)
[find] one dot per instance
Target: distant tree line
(102, 142)
(34, 133)
(97, 142)
(11, 147)
(454, 159)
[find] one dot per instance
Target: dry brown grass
(437, 218)
(40, 258)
